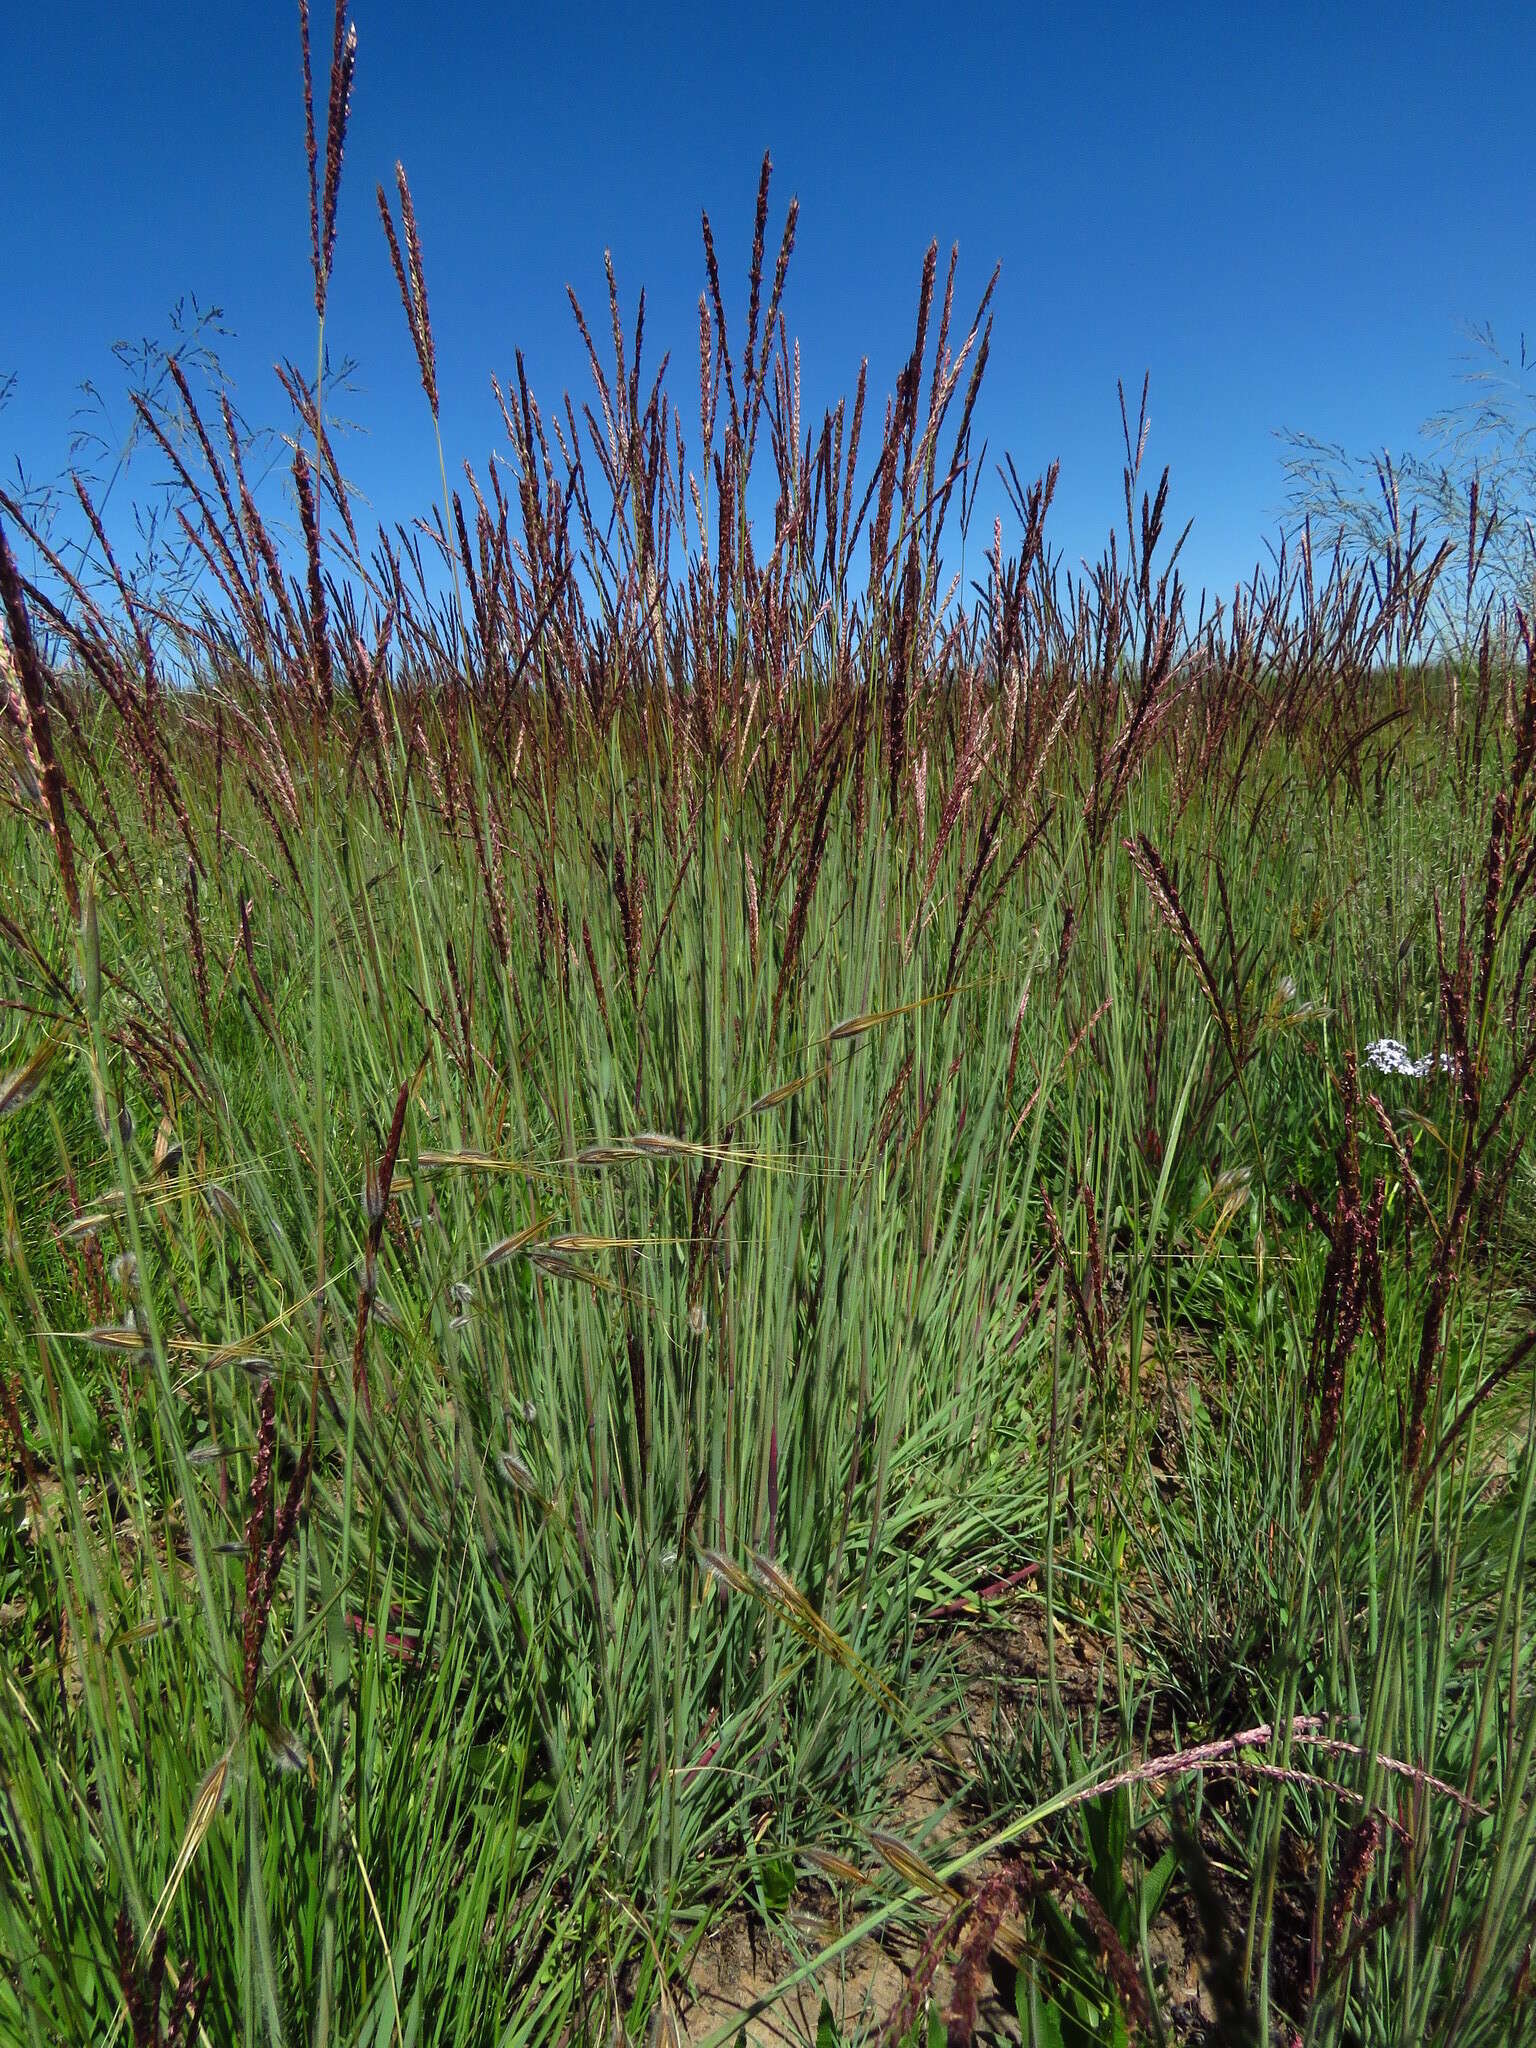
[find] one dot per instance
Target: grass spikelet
(410, 276)
(200, 1819)
(22, 1083)
(378, 1184)
(1148, 863)
(838, 1868)
(39, 727)
(199, 956)
(911, 1868)
(322, 679)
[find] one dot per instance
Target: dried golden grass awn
(835, 1867)
(911, 1868)
(475, 1162)
(88, 1225)
(129, 1342)
(507, 1247)
(168, 1149)
(205, 1808)
(23, 1082)
(576, 1241)
(783, 1092)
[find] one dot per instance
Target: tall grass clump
(706, 1233)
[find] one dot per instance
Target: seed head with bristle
(410, 276)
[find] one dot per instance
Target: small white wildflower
(1391, 1056)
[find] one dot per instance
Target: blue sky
(1286, 219)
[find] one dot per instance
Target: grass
(696, 1245)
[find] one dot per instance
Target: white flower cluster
(1389, 1056)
